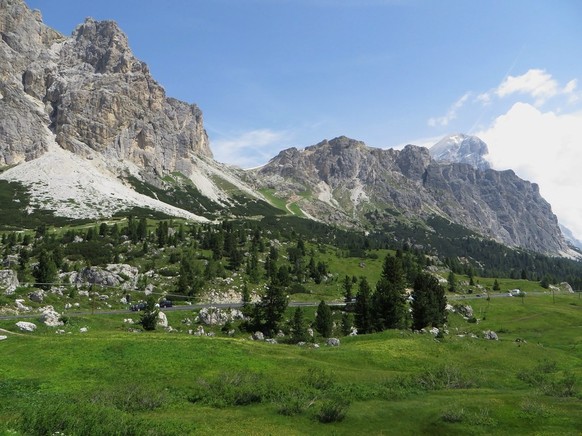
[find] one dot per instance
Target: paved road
(236, 305)
(166, 309)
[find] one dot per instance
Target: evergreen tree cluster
(386, 307)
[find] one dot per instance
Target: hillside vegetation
(104, 371)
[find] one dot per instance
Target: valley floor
(115, 380)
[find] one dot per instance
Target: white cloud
(538, 84)
(248, 149)
(484, 98)
(570, 86)
(451, 113)
(545, 148)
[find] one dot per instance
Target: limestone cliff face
(24, 39)
(346, 179)
(94, 95)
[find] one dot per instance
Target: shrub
(542, 377)
(334, 410)
(530, 408)
(453, 414)
(294, 402)
(482, 417)
(131, 398)
(563, 387)
(59, 414)
(319, 379)
(232, 389)
(444, 377)
(298, 288)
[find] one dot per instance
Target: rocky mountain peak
(461, 148)
(104, 46)
(22, 29)
(92, 93)
(413, 161)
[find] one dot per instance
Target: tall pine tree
(388, 302)
(363, 316)
(298, 328)
(429, 302)
(324, 320)
(45, 271)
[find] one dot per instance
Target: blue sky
(270, 74)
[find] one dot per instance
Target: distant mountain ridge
(349, 182)
(570, 238)
(89, 133)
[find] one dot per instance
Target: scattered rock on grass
(333, 342)
(26, 326)
(8, 281)
(162, 319)
(36, 296)
(50, 317)
(491, 335)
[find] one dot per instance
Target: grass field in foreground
(112, 381)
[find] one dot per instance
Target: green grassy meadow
(113, 380)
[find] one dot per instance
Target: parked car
(139, 306)
(165, 303)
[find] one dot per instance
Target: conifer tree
(429, 302)
(45, 272)
(347, 321)
(324, 320)
(272, 308)
(298, 328)
(452, 282)
(142, 230)
(149, 316)
(347, 285)
(388, 306)
(388, 302)
(393, 272)
(363, 316)
(190, 280)
(246, 295)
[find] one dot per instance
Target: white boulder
(162, 319)
(50, 317)
(333, 342)
(21, 307)
(491, 335)
(8, 281)
(25, 326)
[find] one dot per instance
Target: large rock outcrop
(8, 281)
(24, 40)
(93, 93)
